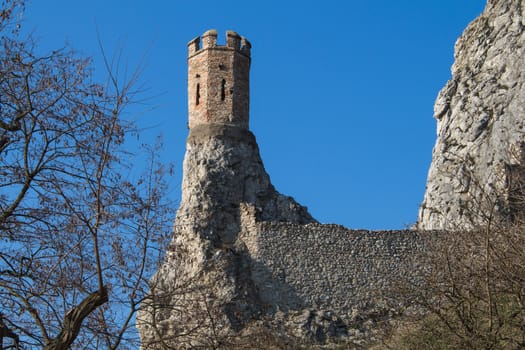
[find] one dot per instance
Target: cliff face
(477, 164)
(204, 289)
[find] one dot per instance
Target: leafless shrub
(472, 293)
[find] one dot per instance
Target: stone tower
(218, 80)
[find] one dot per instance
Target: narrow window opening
(223, 90)
(198, 94)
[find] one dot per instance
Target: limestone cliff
(207, 262)
(477, 164)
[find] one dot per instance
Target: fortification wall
(329, 267)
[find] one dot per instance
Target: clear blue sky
(342, 92)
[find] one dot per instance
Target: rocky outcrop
(204, 289)
(477, 173)
(248, 263)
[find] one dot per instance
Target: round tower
(219, 80)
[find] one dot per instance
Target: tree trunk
(74, 318)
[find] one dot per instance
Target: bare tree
(80, 230)
(471, 295)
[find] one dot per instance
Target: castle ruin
(244, 255)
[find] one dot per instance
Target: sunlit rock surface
(477, 164)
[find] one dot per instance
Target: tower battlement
(219, 80)
(208, 40)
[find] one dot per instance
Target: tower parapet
(219, 80)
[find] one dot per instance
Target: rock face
(477, 166)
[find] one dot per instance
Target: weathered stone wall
(206, 271)
(328, 266)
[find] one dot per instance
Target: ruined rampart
(329, 267)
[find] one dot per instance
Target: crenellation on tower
(233, 40)
(194, 45)
(209, 39)
(219, 80)
(246, 46)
